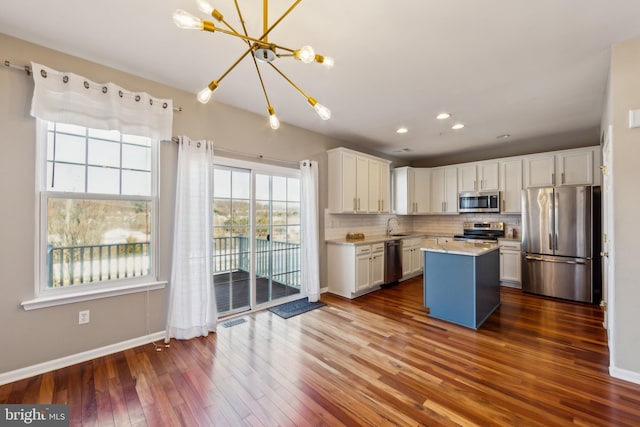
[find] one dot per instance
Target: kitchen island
(462, 281)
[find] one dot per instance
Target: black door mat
(294, 308)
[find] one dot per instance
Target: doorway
(256, 234)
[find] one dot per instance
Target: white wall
(624, 95)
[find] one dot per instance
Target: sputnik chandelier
(262, 49)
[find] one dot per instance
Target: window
(98, 207)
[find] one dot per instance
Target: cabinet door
(451, 190)
(362, 184)
(349, 179)
(421, 186)
(467, 178)
(377, 268)
(488, 176)
(539, 171)
(363, 272)
(407, 260)
(510, 265)
(385, 188)
(374, 187)
(511, 186)
(437, 190)
(416, 257)
(575, 168)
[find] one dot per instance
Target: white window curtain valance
(70, 98)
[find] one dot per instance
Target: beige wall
(31, 337)
(624, 96)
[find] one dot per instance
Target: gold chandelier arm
(234, 64)
(265, 20)
(255, 62)
(264, 36)
(291, 83)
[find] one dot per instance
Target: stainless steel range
(488, 232)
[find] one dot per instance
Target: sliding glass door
(256, 235)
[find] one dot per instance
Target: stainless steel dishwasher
(392, 261)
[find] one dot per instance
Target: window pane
(240, 184)
(111, 135)
(134, 157)
(73, 129)
(279, 188)
(293, 213)
(262, 213)
(261, 232)
(103, 153)
(240, 212)
(279, 213)
(293, 234)
(221, 211)
(97, 240)
(293, 189)
(262, 187)
(65, 177)
(279, 234)
(69, 148)
(103, 180)
(221, 183)
(136, 183)
(138, 140)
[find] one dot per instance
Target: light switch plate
(634, 118)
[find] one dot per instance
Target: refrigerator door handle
(535, 258)
(550, 241)
(556, 200)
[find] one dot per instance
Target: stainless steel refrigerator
(561, 242)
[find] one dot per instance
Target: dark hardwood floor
(377, 360)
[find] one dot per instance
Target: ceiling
(536, 70)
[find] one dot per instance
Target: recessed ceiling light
(503, 136)
(402, 130)
(457, 126)
(443, 116)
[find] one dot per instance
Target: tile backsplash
(338, 225)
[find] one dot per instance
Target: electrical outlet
(84, 317)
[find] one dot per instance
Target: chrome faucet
(389, 227)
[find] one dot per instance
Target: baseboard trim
(63, 362)
(623, 374)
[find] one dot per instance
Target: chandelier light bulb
(273, 119)
(323, 112)
(328, 62)
(204, 6)
(204, 95)
(187, 21)
(305, 54)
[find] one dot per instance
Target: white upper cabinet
(478, 177)
(574, 168)
(379, 186)
(569, 167)
(510, 186)
(411, 190)
(444, 190)
(358, 183)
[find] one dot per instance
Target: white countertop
(461, 248)
(375, 239)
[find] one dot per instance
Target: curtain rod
(239, 153)
(27, 69)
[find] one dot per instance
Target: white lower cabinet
(355, 269)
(510, 263)
(411, 257)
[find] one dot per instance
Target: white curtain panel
(310, 252)
(69, 98)
(192, 303)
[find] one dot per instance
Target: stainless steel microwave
(484, 201)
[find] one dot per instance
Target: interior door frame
(608, 288)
